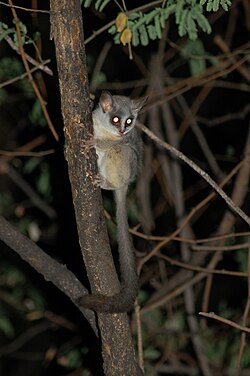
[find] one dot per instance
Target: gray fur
(119, 150)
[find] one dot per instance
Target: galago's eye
(115, 120)
(129, 121)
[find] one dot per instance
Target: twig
(13, 154)
(219, 248)
(28, 190)
(139, 335)
(190, 118)
(239, 191)
(187, 240)
(187, 218)
(174, 293)
(98, 66)
(196, 168)
(212, 315)
(25, 9)
(245, 316)
(223, 46)
(25, 337)
(241, 114)
(29, 58)
(26, 65)
(202, 79)
(50, 269)
(200, 269)
(22, 76)
(111, 23)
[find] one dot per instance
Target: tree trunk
(67, 31)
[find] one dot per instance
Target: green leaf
(158, 27)
(97, 4)
(135, 38)
(43, 181)
(112, 29)
(143, 35)
(191, 27)
(151, 32)
(5, 30)
(210, 5)
(100, 4)
(138, 24)
(24, 31)
(103, 5)
(202, 20)
(6, 327)
(225, 4)
(31, 164)
(150, 16)
(216, 4)
(182, 29)
(87, 3)
(178, 11)
(73, 359)
(135, 15)
(117, 39)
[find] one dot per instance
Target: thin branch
(223, 46)
(29, 58)
(24, 75)
(139, 335)
(186, 240)
(204, 202)
(241, 114)
(238, 195)
(14, 154)
(26, 65)
(212, 315)
(111, 23)
(98, 65)
(174, 293)
(200, 269)
(27, 189)
(25, 9)
(201, 172)
(219, 248)
(25, 337)
(50, 269)
(245, 316)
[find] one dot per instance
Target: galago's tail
(124, 300)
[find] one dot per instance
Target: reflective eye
(115, 120)
(129, 121)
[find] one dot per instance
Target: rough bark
(67, 31)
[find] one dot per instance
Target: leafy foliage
(140, 28)
(213, 5)
(26, 39)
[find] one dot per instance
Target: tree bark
(67, 31)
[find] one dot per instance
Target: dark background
(67, 345)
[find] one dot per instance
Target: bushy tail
(124, 300)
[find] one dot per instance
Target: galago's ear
(106, 101)
(137, 104)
